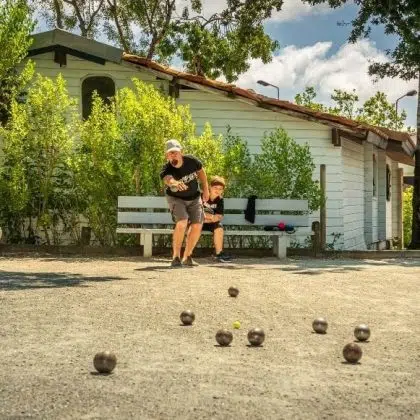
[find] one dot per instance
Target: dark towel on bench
(250, 209)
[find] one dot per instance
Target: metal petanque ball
(187, 317)
(352, 352)
(320, 325)
(224, 337)
(233, 291)
(256, 336)
(104, 361)
(362, 332)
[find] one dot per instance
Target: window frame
(90, 76)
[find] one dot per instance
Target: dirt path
(57, 313)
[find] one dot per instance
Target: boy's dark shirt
(215, 206)
(187, 173)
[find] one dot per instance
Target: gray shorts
(191, 210)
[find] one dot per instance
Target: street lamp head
(263, 83)
(411, 92)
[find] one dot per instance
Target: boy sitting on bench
(213, 215)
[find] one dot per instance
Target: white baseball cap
(173, 146)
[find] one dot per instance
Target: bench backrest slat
(274, 204)
(128, 211)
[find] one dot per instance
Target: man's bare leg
(178, 237)
(194, 233)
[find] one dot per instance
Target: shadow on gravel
(158, 268)
(15, 280)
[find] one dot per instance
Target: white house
(363, 163)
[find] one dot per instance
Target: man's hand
(206, 194)
(181, 186)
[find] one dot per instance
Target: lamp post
(264, 83)
(409, 93)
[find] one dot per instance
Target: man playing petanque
(180, 175)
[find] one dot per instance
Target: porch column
(381, 195)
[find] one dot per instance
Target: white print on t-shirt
(188, 178)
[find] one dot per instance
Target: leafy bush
(36, 181)
(407, 214)
(284, 169)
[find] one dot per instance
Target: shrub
(407, 214)
(36, 183)
(284, 169)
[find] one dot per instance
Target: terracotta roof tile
(261, 100)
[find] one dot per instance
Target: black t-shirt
(215, 206)
(187, 173)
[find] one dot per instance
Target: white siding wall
(78, 69)
(251, 122)
(375, 201)
(389, 205)
(354, 196)
(368, 195)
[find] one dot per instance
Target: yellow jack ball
(236, 325)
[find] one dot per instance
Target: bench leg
(147, 244)
(274, 239)
(280, 246)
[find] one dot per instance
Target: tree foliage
(212, 46)
(15, 27)
(377, 110)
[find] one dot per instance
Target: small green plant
(335, 237)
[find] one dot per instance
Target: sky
(314, 52)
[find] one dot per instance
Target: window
(375, 175)
(104, 86)
(388, 183)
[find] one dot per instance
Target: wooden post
(85, 235)
(316, 238)
(323, 209)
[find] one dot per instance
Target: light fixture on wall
(264, 83)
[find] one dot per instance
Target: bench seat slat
(229, 219)
(299, 232)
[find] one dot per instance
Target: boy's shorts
(191, 210)
(211, 227)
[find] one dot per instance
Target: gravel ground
(56, 313)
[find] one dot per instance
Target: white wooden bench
(147, 213)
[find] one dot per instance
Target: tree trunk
(415, 229)
(58, 14)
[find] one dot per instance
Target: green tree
(209, 148)
(400, 18)
(237, 162)
(85, 15)
(377, 110)
(284, 169)
(15, 27)
(35, 179)
(307, 98)
(212, 46)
